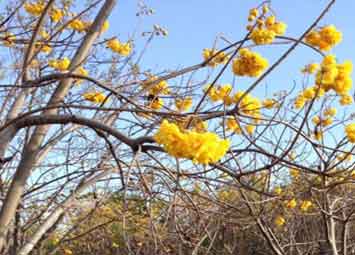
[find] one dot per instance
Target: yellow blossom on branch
(95, 97)
(249, 63)
(202, 148)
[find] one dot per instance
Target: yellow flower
(162, 87)
(325, 38)
(291, 203)
(318, 135)
(183, 104)
(78, 25)
(295, 173)
(265, 9)
(309, 93)
(56, 15)
(327, 121)
(331, 112)
(116, 46)
(95, 97)
(254, 12)
(35, 9)
(43, 47)
(350, 132)
(250, 129)
(105, 26)
(203, 148)
(60, 64)
(280, 221)
(269, 103)
(300, 102)
(221, 58)
(262, 36)
(233, 125)
(249, 63)
(220, 93)
(278, 191)
(279, 28)
(316, 120)
(311, 68)
(346, 100)
(156, 104)
(305, 205)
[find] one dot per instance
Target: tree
(101, 156)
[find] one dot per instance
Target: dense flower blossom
(95, 97)
(324, 38)
(249, 63)
(221, 58)
(203, 148)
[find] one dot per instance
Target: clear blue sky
(193, 25)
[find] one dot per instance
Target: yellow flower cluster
(249, 105)
(266, 30)
(162, 87)
(324, 38)
(220, 93)
(335, 76)
(95, 97)
(56, 15)
(183, 104)
(35, 9)
(221, 58)
(60, 64)
(249, 63)
(330, 76)
(350, 132)
(115, 45)
(304, 206)
(203, 148)
(79, 25)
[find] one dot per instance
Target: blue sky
(193, 25)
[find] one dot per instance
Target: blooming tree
(101, 156)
